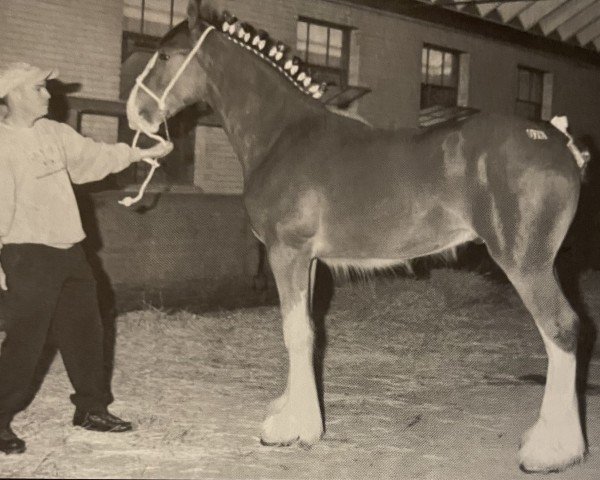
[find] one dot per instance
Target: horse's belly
(383, 240)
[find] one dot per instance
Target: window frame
(456, 54)
(344, 70)
(433, 114)
(539, 105)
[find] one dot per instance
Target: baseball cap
(15, 74)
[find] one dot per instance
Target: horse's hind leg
(296, 415)
(556, 440)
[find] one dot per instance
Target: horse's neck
(255, 102)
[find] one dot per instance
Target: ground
(424, 379)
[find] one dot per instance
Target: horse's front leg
(296, 415)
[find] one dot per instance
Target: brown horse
(322, 186)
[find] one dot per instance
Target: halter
(139, 83)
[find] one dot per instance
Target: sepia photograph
(300, 239)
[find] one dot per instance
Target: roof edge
(439, 15)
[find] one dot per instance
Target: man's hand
(2, 279)
(157, 151)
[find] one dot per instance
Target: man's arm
(88, 160)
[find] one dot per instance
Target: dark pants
(51, 301)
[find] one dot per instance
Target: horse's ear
(193, 12)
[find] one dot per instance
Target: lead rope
(129, 201)
(139, 83)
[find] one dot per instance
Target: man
(47, 291)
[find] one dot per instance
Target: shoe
(9, 442)
(100, 422)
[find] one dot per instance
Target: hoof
(525, 470)
(551, 449)
(270, 444)
(283, 429)
(553, 469)
(11, 444)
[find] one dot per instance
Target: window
(444, 86)
(439, 77)
(324, 48)
(530, 93)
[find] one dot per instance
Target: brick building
(396, 64)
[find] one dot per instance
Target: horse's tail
(587, 156)
(581, 155)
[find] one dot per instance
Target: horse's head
(155, 97)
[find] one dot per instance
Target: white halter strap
(161, 100)
(139, 83)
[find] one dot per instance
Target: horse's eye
(163, 56)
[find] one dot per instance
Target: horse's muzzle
(136, 116)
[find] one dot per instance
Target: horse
(321, 186)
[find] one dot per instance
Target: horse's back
(337, 144)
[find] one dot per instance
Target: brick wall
(177, 249)
(217, 169)
(80, 37)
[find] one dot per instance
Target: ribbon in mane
(275, 53)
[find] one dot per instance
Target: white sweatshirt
(37, 166)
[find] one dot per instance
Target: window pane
(435, 67)
(302, 36)
(424, 65)
(523, 93)
(536, 87)
(336, 40)
(317, 47)
(450, 72)
(445, 97)
(335, 57)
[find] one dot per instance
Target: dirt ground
(424, 379)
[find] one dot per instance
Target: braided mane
(275, 53)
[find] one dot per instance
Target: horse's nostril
(145, 114)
